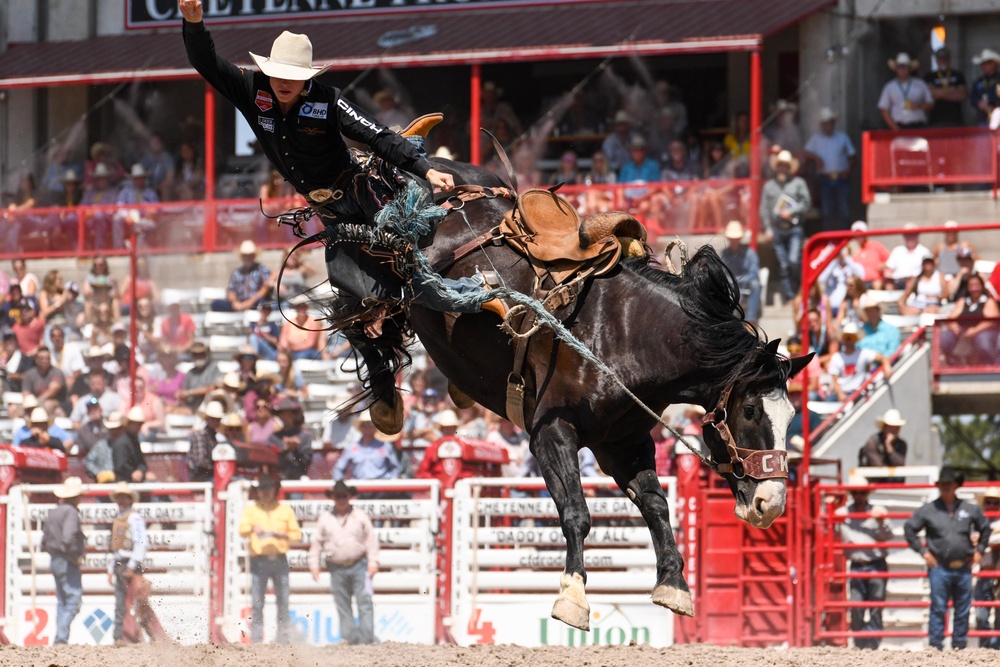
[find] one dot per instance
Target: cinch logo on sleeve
(349, 110)
(266, 123)
(314, 109)
(264, 101)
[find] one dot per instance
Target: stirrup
(419, 127)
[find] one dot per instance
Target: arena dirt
(406, 655)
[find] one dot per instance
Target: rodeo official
(64, 541)
(129, 544)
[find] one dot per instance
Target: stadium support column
(211, 216)
(756, 100)
(475, 115)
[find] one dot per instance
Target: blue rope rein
(411, 215)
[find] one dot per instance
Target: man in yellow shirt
(271, 527)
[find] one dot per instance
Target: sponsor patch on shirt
(264, 101)
(266, 123)
(314, 109)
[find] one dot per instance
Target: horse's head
(746, 436)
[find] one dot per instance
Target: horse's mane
(727, 347)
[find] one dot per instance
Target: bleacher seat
(902, 322)
(984, 267)
(224, 346)
(178, 426)
(222, 323)
(206, 295)
(187, 298)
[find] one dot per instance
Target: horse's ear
(772, 346)
(798, 363)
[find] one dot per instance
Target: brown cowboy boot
(388, 417)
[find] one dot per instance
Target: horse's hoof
(674, 599)
(459, 398)
(572, 613)
(387, 417)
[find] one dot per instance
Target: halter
(752, 463)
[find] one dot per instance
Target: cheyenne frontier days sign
(156, 13)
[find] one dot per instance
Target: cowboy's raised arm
(234, 83)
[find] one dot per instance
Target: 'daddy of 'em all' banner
(157, 13)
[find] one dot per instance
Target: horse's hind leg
(633, 468)
(554, 444)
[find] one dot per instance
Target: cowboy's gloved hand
(191, 10)
(439, 180)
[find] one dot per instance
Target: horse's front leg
(632, 465)
(554, 443)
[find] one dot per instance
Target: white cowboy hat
(785, 157)
(136, 415)
(951, 224)
(72, 487)
(233, 420)
(859, 226)
(850, 329)
(890, 418)
(248, 247)
(623, 117)
(39, 416)
(857, 480)
(734, 230)
(903, 60)
(986, 56)
(827, 114)
(30, 402)
(232, 380)
(992, 492)
(113, 421)
(869, 301)
(138, 171)
(447, 418)
(123, 489)
(214, 410)
(291, 58)
(102, 171)
(444, 153)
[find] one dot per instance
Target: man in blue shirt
(640, 169)
(372, 458)
(880, 336)
(834, 155)
(743, 261)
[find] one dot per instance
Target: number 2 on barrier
(40, 618)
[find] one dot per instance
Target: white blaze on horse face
(768, 501)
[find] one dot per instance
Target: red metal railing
(689, 207)
(832, 576)
(928, 157)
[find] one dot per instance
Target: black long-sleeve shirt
(127, 457)
(948, 532)
(305, 145)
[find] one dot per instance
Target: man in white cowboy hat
(948, 90)
(869, 528)
(346, 545)
(63, 540)
(300, 124)
(905, 100)
(885, 448)
(744, 262)
(835, 157)
(850, 365)
(372, 457)
(783, 202)
(879, 335)
(616, 145)
(988, 588)
(136, 191)
(40, 437)
(905, 260)
(203, 441)
(128, 547)
(249, 284)
(948, 524)
(130, 462)
(984, 95)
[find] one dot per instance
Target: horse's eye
(748, 411)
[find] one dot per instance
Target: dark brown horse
(668, 338)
